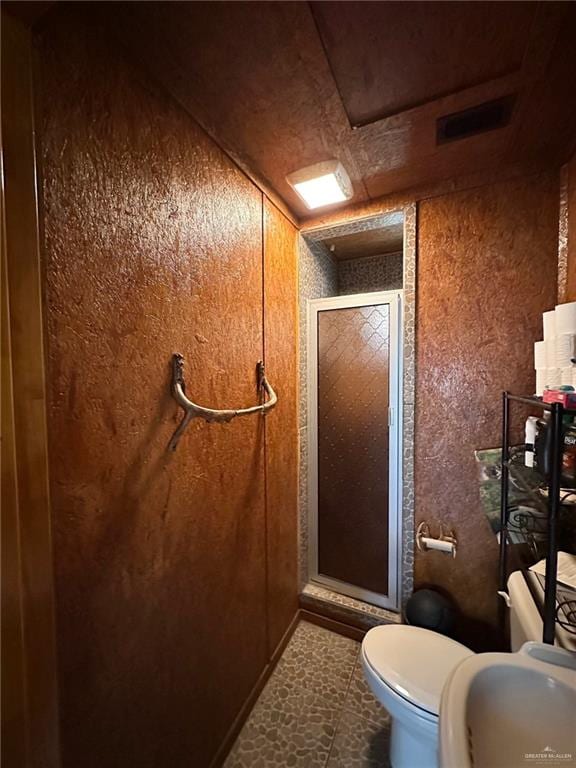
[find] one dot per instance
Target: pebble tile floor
(316, 710)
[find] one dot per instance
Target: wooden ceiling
(388, 58)
(372, 242)
(283, 85)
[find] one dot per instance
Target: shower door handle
(193, 410)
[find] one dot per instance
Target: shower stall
(357, 288)
(354, 444)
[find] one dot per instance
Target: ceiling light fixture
(322, 184)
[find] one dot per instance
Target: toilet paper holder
(446, 542)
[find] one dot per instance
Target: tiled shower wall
(372, 273)
(318, 279)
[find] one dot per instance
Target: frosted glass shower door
(354, 417)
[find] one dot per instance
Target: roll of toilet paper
(565, 350)
(553, 377)
(567, 376)
(442, 546)
(541, 374)
(549, 324)
(540, 354)
(545, 354)
(565, 318)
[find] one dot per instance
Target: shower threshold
(349, 610)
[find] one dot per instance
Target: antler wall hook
(192, 410)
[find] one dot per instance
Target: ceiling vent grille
(479, 119)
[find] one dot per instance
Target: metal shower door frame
(391, 601)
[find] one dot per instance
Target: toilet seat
(414, 663)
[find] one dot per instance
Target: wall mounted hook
(192, 410)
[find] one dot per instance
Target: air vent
(469, 122)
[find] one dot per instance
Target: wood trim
(29, 509)
(13, 708)
(347, 630)
(248, 705)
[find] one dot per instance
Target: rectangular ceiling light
(322, 184)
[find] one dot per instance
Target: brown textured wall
(153, 244)
(281, 345)
(571, 233)
(487, 262)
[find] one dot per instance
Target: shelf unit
(550, 543)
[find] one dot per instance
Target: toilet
(406, 668)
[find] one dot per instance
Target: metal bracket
(192, 410)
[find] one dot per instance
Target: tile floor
(316, 710)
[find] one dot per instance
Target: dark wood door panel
(353, 385)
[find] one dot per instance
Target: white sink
(510, 710)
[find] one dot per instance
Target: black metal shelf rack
(557, 413)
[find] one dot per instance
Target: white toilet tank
(525, 620)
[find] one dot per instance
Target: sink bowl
(510, 710)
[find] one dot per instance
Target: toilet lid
(414, 662)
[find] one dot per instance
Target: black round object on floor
(430, 610)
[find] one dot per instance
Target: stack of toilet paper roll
(553, 357)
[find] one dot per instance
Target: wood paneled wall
(281, 352)
(175, 574)
(29, 690)
(487, 264)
